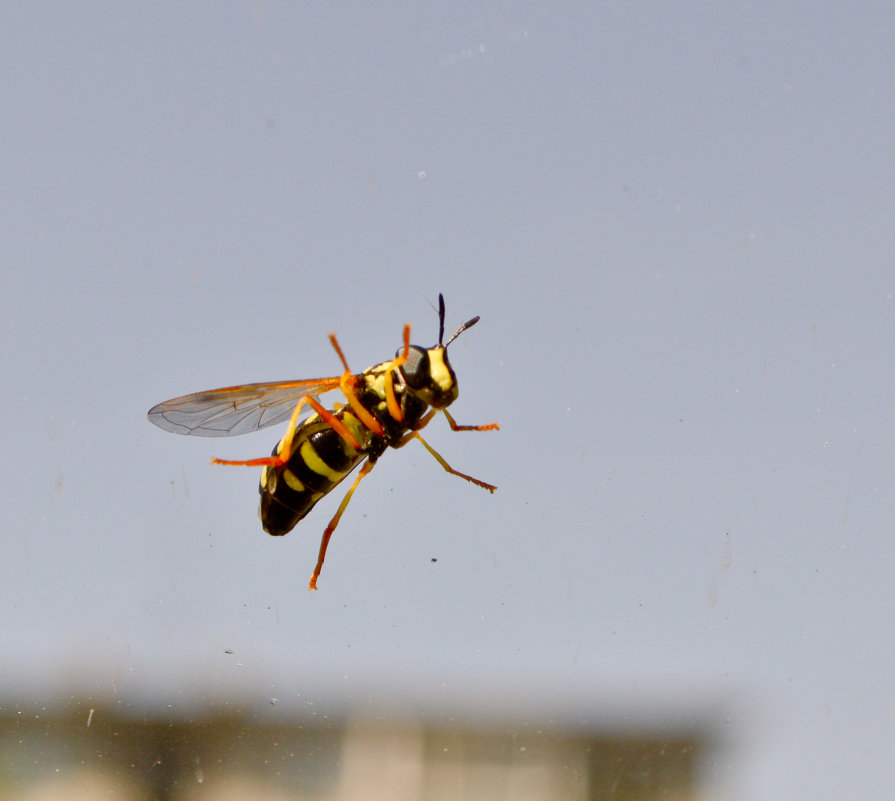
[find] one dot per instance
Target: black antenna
(440, 317)
(460, 330)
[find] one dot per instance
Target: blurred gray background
(676, 224)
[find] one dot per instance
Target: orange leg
(349, 381)
(390, 400)
(440, 459)
(328, 531)
(427, 418)
(284, 449)
(455, 427)
(285, 445)
(423, 422)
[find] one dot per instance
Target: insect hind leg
(328, 531)
(284, 449)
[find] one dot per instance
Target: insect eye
(416, 368)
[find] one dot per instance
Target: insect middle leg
(441, 460)
(284, 449)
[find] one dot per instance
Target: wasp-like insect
(386, 406)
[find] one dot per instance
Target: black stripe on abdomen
(319, 461)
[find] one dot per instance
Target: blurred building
(88, 752)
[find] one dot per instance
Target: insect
(385, 406)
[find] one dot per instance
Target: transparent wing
(236, 410)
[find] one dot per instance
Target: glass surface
(675, 224)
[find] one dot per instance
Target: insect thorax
(373, 398)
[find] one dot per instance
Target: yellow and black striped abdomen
(320, 459)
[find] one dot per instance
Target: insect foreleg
(394, 408)
(455, 427)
